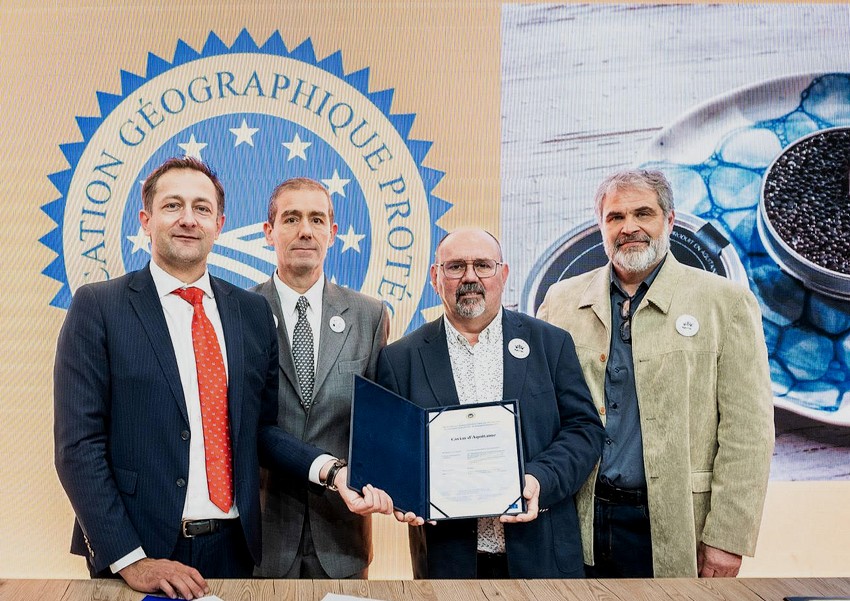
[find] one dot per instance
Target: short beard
(472, 307)
(638, 261)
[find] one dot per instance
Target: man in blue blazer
(164, 493)
(480, 352)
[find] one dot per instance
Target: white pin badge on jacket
(518, 348)
(687, 325)
(337, 324)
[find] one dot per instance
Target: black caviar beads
(806, 198)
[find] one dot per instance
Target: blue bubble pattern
(807, 333)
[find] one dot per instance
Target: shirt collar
(289, 297)
(166, 283)
(644, 285)
(492, 334)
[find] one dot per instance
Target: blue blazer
(562, 438)
(121, 429)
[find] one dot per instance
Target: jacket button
(181, 482)
(184, 435)
(602, 357)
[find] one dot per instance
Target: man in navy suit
(136, 452)
(481, 352)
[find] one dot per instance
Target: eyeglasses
(626, 324)
(483, 268)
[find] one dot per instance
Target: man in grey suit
(326, 334)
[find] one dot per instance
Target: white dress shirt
(178, 318)
(288, 299)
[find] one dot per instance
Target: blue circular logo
(257, 115)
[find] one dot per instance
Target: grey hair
(640, 179)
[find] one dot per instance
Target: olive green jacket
(706, 406)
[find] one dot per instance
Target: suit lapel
(269, 290)
(145, 302)
(597, 296)
(437, 364)
(330, 342)
(231, 322)
(514, 369)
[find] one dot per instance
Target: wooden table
(742, 589)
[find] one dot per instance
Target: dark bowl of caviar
(804, 211)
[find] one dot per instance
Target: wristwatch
(332, 472)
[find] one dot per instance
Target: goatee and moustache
(471, 307)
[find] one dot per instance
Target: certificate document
(475, 463)
(459, 461)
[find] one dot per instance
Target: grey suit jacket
(343, 541)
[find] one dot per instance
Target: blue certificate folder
(389, 449)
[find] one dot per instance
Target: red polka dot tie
(212, 386)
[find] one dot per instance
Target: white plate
(715, 156)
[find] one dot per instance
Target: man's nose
(469, 274)
(187, 217)
(305, 229)
(630, 225)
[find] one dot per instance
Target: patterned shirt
(479, 375)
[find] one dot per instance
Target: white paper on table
(336, 597)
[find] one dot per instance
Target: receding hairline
(294, 184)
(461, 231)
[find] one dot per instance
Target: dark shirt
(622, 455)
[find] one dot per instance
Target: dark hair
(184, 162)
(298, 183)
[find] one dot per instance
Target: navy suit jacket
(121, 429)
(562, 438)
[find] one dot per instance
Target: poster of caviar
(747, 113)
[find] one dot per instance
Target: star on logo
(244, 133)
(140, 241)
(193, 148)
(350, 240)
(336, 185)
(297, 147)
